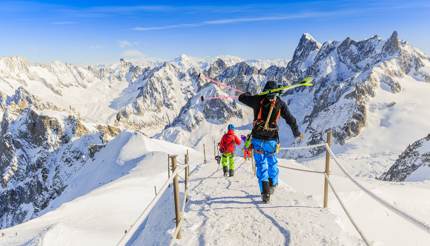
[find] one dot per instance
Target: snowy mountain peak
(13, 64)
(308, 37)
(186, 62)
(392, 46)
(304, 54)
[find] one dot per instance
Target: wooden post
(168, 167)
(214, 149)
(204, 153)
(176, 195)
(186, 176)
(327, 169)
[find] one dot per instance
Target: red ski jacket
(228, 142)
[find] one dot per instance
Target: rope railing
(346, 211)
(300, 169)
(386, 204)
(304, 147)
(328, 183)
(128, 233)
(172, 178)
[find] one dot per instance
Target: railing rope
(346, 211)
(128, 232)
(174, 175)
(388, 205)
(304, 147)
(328, 183)
(300, 169)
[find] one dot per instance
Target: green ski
(305, 82)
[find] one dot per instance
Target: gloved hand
(300, 137)
(243, 137)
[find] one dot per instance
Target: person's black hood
(270, 85)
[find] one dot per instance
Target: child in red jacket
(227, 146)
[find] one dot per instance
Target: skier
(246, 146)
(265, 138)
(227, 146)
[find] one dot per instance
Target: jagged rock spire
(305, 51)
(392, 45)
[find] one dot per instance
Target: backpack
(268, 127)
(226, 140)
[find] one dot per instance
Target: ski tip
(307, 80)
(202, 98)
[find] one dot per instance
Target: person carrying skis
(265, 138)
(227, 146)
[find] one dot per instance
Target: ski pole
(202, 98)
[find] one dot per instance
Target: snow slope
(104, 198)
(380, 225)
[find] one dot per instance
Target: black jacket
(255, 103)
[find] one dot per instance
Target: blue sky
(87, 32)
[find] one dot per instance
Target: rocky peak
(217, 67)
(392, 45)
(304, 55)
(415, 156)
(21, 96)
(39, 152)
(306, 45)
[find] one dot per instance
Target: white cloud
(230, 21)
(247, 19)
(133, 54)
(124, 44)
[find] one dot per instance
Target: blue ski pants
(265, 161)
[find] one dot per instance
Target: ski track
(229, 211)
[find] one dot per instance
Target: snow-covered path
(229, 211)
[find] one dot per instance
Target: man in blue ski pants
(268, 109)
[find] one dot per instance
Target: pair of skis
(306, 82)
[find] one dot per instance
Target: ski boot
(231, 172)
(272, 186)
(265, 195)
(225, 170)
